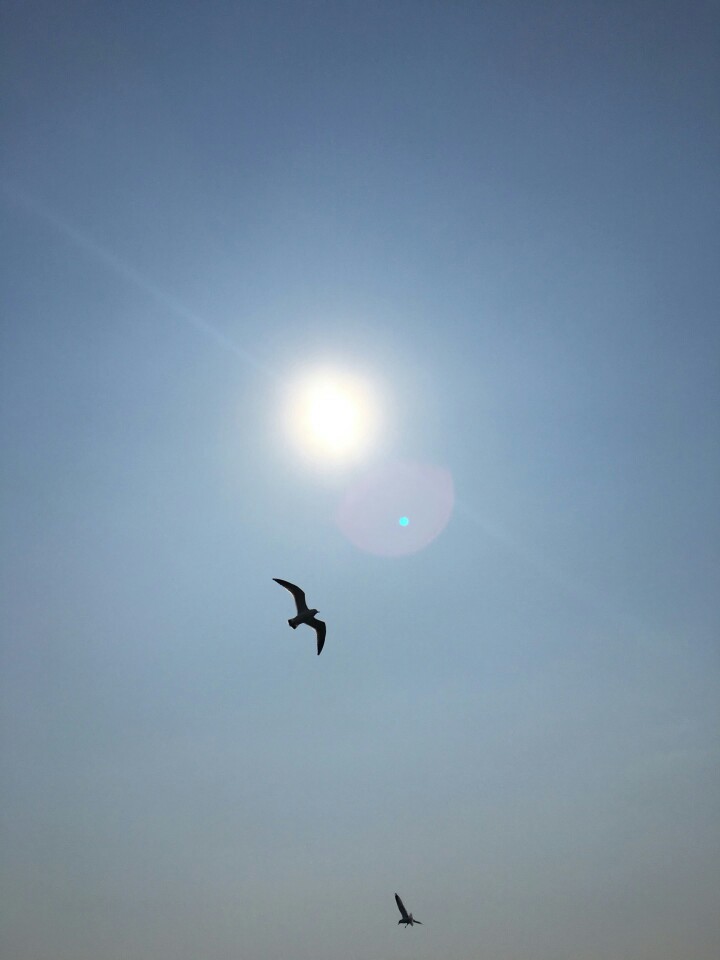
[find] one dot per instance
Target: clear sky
(503, 218)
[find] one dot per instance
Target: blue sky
(504, 216)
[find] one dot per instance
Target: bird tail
(292, 623)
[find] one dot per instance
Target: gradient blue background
(505, 214)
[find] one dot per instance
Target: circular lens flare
(370, 512)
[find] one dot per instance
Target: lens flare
(371, 515)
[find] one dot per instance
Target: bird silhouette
(407, 918)
(305, 614)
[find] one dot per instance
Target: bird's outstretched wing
(401, 907)
(296, 592)
(319, 628)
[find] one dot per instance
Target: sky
(502, 220)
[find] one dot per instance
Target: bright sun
(333, 415)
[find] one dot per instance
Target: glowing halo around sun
(333, 416)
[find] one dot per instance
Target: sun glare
(333, 416)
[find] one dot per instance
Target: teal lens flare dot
(403, 521)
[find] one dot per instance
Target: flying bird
(407, 918)
(304, 614)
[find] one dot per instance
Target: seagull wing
(296, 592)
(319, 628)
(401, 907)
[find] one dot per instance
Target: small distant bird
(407, 918)
(304, 614)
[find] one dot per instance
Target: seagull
(304, 614)
(407, 918)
